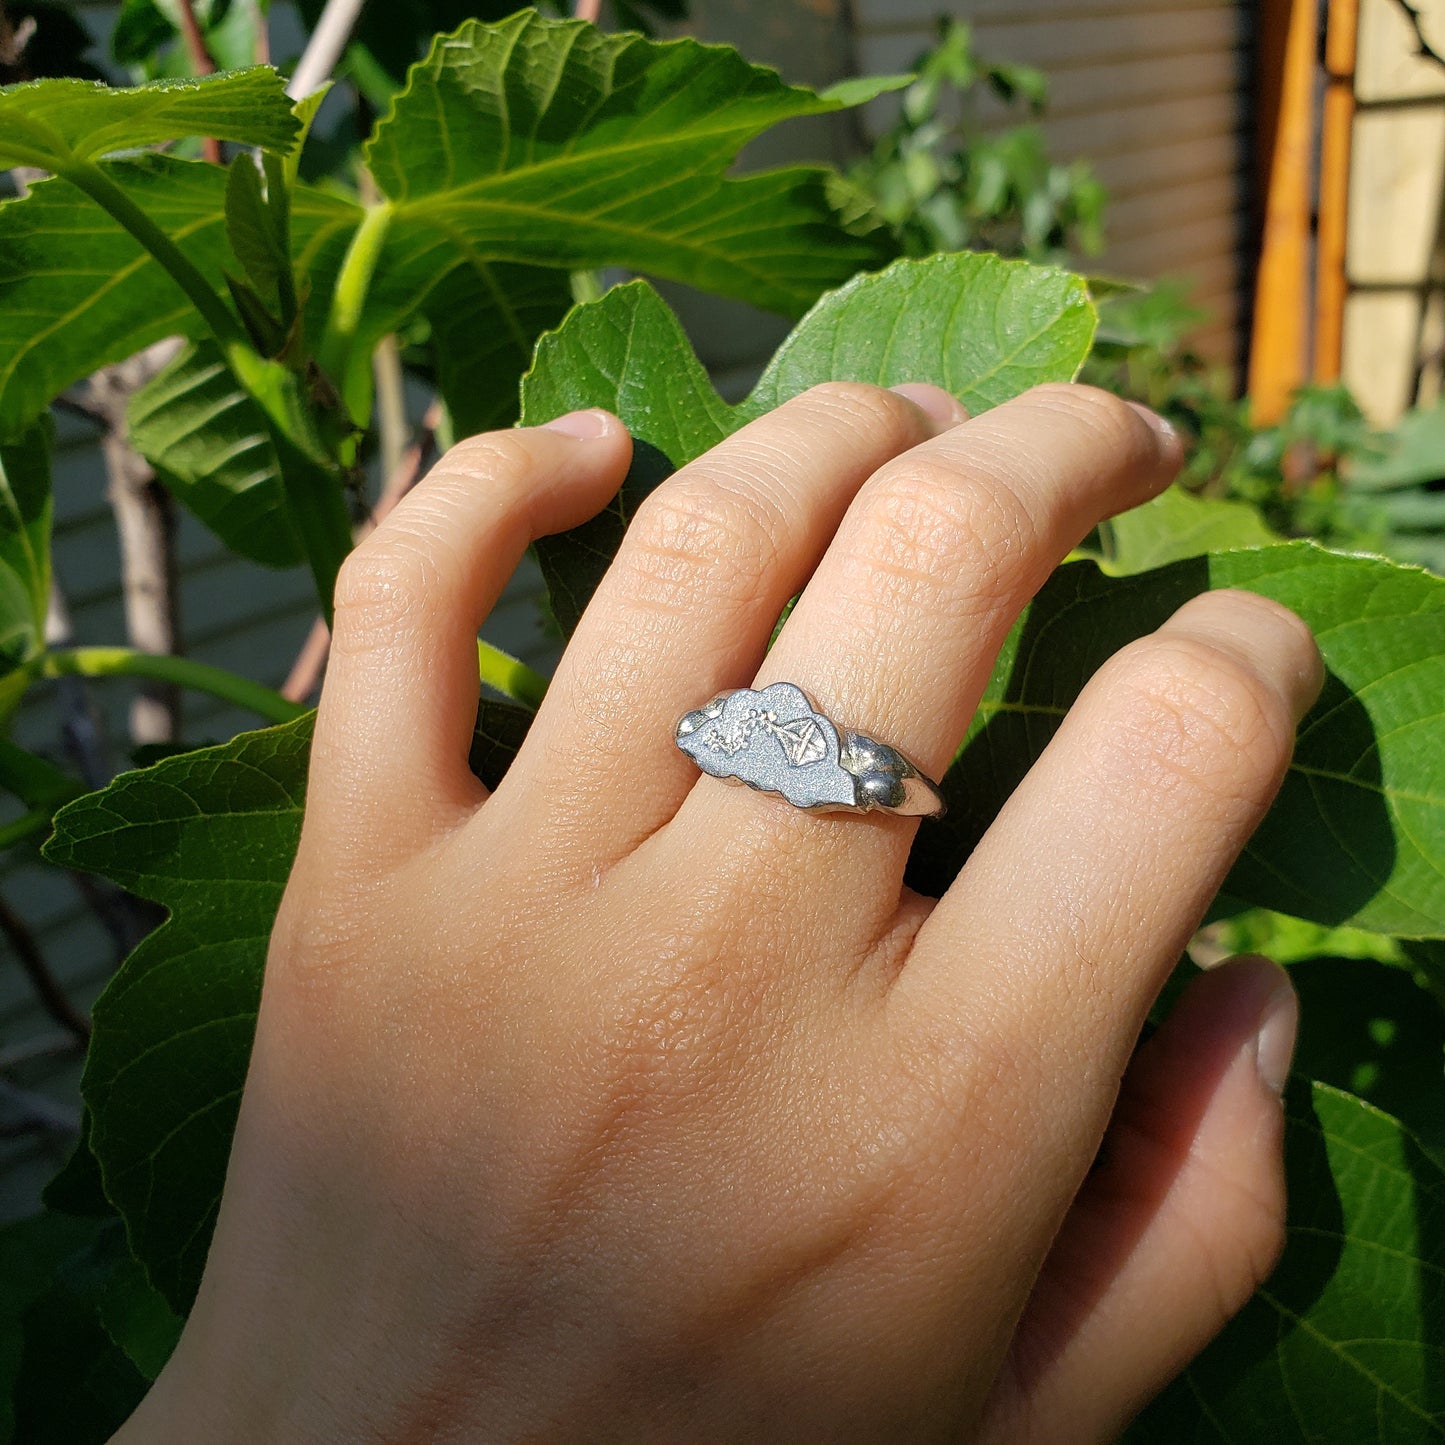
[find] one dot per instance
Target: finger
(897, 631)
(1029, 981)
(689, 604)
(1175, 1228)
(389, 764)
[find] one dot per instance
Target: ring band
(776, 740)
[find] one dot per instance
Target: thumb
(1178, 1224)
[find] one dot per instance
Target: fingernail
(936, 404)
(1274, 1043)
(1163, 428)
(584, 425)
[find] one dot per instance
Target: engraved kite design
(772, 739)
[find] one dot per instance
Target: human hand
(625, 1105)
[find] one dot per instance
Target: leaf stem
(353, 282)
(199, 676)
(510, 675)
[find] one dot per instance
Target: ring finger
(897, 631)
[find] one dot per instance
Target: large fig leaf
(210, 835)
(1345, 1343)
(1176, 525)
(1357, 834)
(985, 328)
(552, 142)
(53, 123)
(78, 292)
(536, 145)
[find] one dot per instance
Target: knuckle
(490, 456)
(385, 587)
(1095, 408)
(928, 523)
(863, 407)
(703, 518)
(1194, 715)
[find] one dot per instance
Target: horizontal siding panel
(1086, 90)
(1058, 45)
(1172, 251)
(881, 16)
(1119, 129)
(1158, 207)
(1124, 173)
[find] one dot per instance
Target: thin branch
(263, 33)
(201, 64)
(53, 998)
(327, 44)
(588, 10)
(306, 670)
(1423, 48)
(145, 518)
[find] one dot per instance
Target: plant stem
(348, 299)
(199, 676)
(510, 676)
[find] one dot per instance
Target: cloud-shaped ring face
(773, 739)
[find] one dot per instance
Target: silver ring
(775, 739)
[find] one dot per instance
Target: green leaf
(77, 1187)
(983, 328)
(1176, 525)
(26, 510)
(52, 123)
(1372, 1030)
(1345, 1342)
(211, 836)
(210, 445)
(626, 352)
(1357, 834)
(553, 143)
(78, 292)
(485, 322)
(75, 1384)
(1293, 940)
(254, 233)
(36, 781)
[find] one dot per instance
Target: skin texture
(624, 1105)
